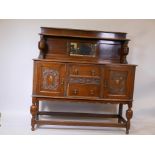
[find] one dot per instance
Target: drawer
(83, 90)
(84, 70)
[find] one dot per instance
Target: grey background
(19, 45)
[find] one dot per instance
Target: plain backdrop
(19, 45)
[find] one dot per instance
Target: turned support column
(120, 110)
(124, 52)
(37, 104)
(42, 47)
(129, 114)
(33, 110)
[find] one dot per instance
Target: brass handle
(105, 84)
(76, 72)
(92, 92)
(75, 91)
(93, 72)
(62, 81)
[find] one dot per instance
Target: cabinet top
(77, 33)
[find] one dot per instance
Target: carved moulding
(83, 80)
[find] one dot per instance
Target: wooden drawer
(85, 90)
(84, 70)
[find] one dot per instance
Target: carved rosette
(50, 79)
(124, 53)
(42, 47)
(118, 82)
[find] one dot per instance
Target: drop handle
(75, 91)
(105, 84)
(62, 81)
(76, 72)
(93, 72)
(92, 92)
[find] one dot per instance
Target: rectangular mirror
(83, 49)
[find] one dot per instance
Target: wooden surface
(67, 70)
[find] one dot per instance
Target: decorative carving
(42, 47)
(83, 80)
(50, 79)
(117, 82)
(124, 52)
(82, 49)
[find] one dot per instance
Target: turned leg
(129, 114)
(120, 110)
(37, 104)
(33, 110)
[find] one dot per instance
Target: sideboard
(83, 66)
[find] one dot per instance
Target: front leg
(129, 114)
(120, 110)
(33, 110)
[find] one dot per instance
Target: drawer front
(83, 90)
(84, 70)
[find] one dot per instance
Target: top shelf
(85, 34)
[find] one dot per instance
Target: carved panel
(83, 80)
(118, 82)
(50, 79)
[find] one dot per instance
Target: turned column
(120, 110)
(129, 114)
(33, 110)
(37, 104)
(42, 47)
(124, 52)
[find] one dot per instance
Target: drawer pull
(76, 72)
(93, 72)
(92, 92)
(75, 91)
(105, 84)
(62, 81)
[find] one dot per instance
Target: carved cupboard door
(118, 82)
(51, 78)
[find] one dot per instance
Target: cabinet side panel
(35, 74)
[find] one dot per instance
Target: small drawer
(84, 70)
(88, 90)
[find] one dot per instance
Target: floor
(19, 124)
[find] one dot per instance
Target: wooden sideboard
(83, 66)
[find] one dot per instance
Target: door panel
(118, 81)
(51, 78)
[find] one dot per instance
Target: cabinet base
(122, 123)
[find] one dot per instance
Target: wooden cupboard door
(51, 79)
(118, 82)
